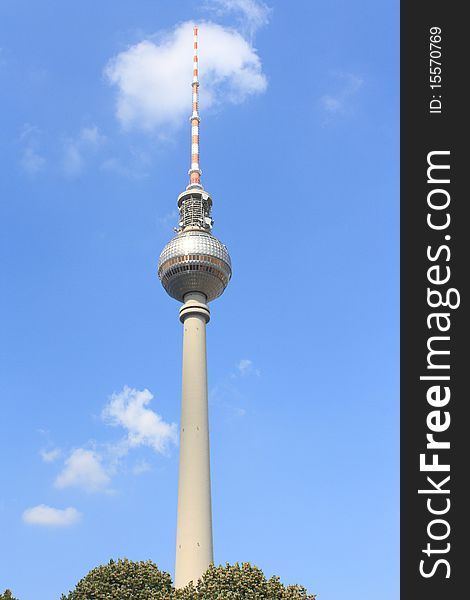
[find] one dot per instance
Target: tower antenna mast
(195, 171)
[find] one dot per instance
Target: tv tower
(194, 268)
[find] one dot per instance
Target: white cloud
(92, 469)
(153, 77)
(73, 161)
(114, 165)
(253, 14)
(31, 160)
(136, 165)
(84, 469)
(246, 367)
(336, 103)
(227, 395)
(144, 427)
(91, 135)
(49, 516)
(50, 455)
(331, 104)
(141, 467)
(29, 131)
(170, 217)
(228, 392)
(76, 150)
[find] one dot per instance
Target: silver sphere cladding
(194, 261)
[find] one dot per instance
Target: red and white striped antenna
(195, 171)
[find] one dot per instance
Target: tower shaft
(194, 551)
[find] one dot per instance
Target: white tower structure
(194, 268)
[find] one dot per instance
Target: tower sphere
(194, 261)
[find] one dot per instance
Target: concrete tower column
(194, 550)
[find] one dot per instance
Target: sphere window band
(188, 257)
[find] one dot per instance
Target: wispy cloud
(84, 469)
(252, 14)
(118, 167)
(141, 467)
(228, 391)
(31, 160)
(339, 101)
(91, 135)
(129, 409)
(73, 153)
(52, 455)
(152, 77)
(246, 367)
(72, 160)
(93, 466)
(227, 395)
(136, 164)
(48, 516)
(170, 217)
(76, 150)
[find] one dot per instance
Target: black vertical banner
(435, 337)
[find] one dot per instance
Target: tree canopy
(127, 580)
(7, 595)
(122, 580)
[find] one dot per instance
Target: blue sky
(299, 149)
